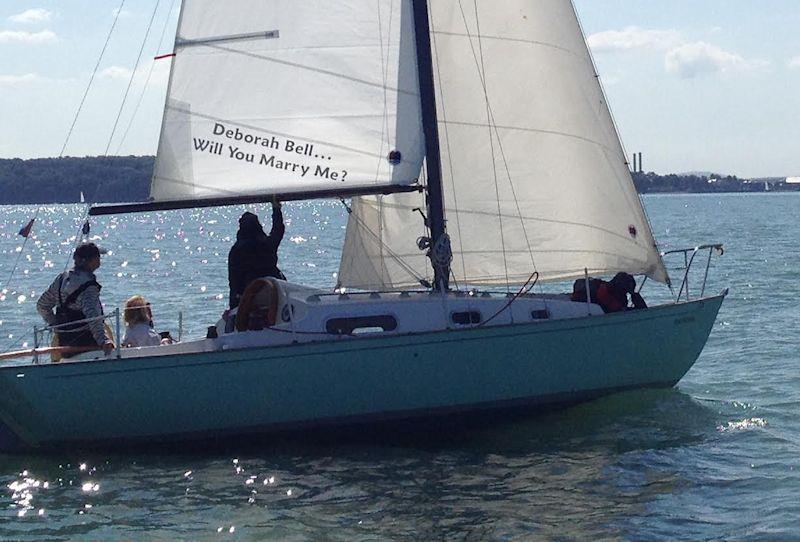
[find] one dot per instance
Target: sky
(695, 85)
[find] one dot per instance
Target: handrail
(40, 345)
(36, 352)
(40, 331)
(689, 260)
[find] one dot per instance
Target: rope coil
(441, 254)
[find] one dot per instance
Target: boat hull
(214, 394)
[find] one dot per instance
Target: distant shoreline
(117, 179)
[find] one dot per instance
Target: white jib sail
(534, 174)
(287, 96)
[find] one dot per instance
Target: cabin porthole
(466, 318)
(361, 325)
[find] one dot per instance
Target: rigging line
(385, 120)
(147, 81)
(449, 152)
(491, 135)
(516, 296)
(503, 154)
(82, 102)
(78, 240)
(331, 73)
(19, 254)
(499, 141)
(79, 234)
(133, 75)
(385, 76)
(392, 254)
(11, 345)
(91, 79)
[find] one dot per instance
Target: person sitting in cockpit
(139, 324)
(611, 295)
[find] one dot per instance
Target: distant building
(792, 180)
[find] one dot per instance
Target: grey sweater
(87, 302)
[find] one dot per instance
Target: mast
(435, 198)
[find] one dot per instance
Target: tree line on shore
(116, 179)
(652, 183)
(106, 179)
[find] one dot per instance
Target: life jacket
(579, 290)
(605, 294)
(76, 334)
(611, 299)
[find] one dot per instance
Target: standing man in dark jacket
(255, 254)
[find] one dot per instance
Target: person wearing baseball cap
(75, 296)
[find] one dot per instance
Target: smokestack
(641, 169)
(634, 170)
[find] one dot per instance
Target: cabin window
(361, 324)
(466, 318)
(543, 314)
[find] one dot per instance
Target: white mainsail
(285, 96)
(535, 177)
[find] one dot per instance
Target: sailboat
(479, 158)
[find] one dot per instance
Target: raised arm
(278, 228)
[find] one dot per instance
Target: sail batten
(290, 98)
(269, 34)
(534, 172)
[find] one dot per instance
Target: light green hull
(349, 380)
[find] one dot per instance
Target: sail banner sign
(282, 96)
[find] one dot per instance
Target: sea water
(717, 457)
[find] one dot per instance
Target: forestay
(285, 96)
(535, 176)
